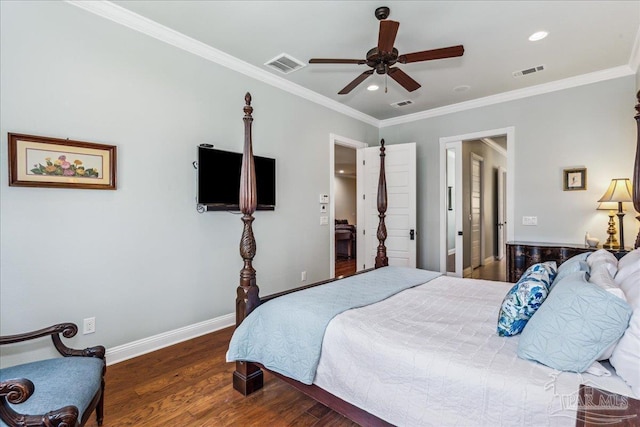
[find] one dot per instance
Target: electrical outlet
(529, 220)
(304, 276)
(89, 325)
(323, 208)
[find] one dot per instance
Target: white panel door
(400, 219)
(476, 210)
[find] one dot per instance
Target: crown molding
(494, 145)
(122, 16)
(584, 79)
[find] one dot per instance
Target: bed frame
(248, 376)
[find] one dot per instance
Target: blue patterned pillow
(525, 297)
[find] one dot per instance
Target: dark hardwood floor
(496, 270)
(345, 267)
(189, 384)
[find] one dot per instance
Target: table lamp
(619, 191)
(612, 240)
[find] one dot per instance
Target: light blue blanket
(285, 334)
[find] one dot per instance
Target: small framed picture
(37, 161)
(575, 179)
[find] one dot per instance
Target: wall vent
(528, 71)
(402, 103)
(285, 63)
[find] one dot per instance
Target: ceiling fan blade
(387, 35)
(362, 77)
(401, 77)
(427, 55)
(336, 61)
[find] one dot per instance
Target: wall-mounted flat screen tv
(219, 179)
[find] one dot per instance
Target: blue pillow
(573, 264)
(524, 298)
(574, 325)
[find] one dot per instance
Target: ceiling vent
(402, 103)
(528, 71)
(284, 63)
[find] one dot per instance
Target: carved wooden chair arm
(67, 330)
(19, 390)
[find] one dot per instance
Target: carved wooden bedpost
(247, 377)
(636, 170)
(381, 255)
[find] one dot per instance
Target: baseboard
(147, 345)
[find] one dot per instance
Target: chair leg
(100, 406)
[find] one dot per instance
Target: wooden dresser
(521, 255)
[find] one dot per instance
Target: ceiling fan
(382, 57)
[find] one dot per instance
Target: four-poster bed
(427, 338)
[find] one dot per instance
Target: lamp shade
(607, 206)
(619, 191)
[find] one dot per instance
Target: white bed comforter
(430, 356)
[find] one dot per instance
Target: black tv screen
(219, 179)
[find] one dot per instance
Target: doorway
(474, 227)
(343, 205)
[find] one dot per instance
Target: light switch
(529, 220)
(324, 220)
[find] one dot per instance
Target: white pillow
(626, 356)
(601, 277)
(627, 265)
(603, 256)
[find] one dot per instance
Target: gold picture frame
(575, 179)
(37, 161)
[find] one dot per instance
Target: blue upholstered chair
(60, 392)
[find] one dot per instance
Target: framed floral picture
(575, 179)
(36, 161)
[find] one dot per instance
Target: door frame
(350, 143)
(511, 147)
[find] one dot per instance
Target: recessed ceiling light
(538, 36)
(373, 87)
(461, 88)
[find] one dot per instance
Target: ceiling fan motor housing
(379, 62)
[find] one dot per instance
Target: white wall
(141, 259)
(590, 126)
